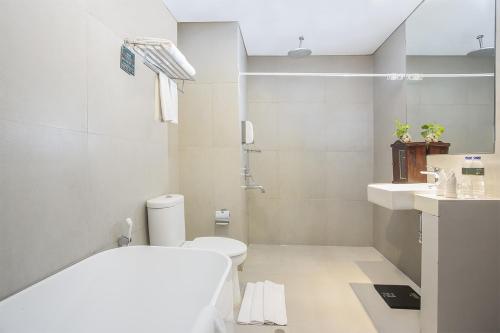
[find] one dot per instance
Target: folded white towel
(263, 303)
(171, 49)
(179, 57)
(274, 303)
(168, 99)
(257, 311)
(209, 321)
(246, 304)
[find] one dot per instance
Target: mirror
(450, 46)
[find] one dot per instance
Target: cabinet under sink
(460, 256)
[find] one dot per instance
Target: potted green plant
(401, 132)
(408, 158)
(432, 132)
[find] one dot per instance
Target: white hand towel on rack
(168, 99)
(179, 58)
(166, 51)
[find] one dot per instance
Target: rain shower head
(483, 51)
(299, 52)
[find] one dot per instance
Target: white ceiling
(330, 27)
(450, 27)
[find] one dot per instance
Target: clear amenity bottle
(477, 178)
(466, 182)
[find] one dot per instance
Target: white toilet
(167, 228)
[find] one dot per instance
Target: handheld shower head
(299, 52)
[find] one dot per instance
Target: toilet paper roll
(222, 217)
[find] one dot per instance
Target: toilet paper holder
(222, 217)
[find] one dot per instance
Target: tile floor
(329, 289)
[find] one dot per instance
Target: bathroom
(286, 156)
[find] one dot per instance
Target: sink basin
(397, 196)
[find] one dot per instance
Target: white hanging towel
(209, 321)
(169, 104)
(263, 303)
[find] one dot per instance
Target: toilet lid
(228, 246)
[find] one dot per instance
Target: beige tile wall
(211, 109)
(80, 149)
(316, 137)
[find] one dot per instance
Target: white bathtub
(133, 289)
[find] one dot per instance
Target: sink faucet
(432, 171)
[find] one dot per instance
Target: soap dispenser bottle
(451, 186)
(441, 183)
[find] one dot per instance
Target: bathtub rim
(213, 300)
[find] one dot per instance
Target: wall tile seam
(327, 102)
(42, 125)
(304, 150)
(88, 253)
(235, 147)
(128, 139)
(325, 199)
(59, 269)
(87, 62)
(211, 83)
(202, 82)
(116, 34)
(449, 104)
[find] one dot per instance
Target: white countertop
(420, 197)
(429, 203)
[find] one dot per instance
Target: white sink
(397, 196)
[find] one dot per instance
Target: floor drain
(279, 330)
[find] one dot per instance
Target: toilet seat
(232, 248)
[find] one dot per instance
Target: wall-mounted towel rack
(161, 55)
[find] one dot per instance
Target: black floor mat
(399, 296)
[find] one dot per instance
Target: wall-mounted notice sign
(127, 60)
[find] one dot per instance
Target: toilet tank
(166, 220)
